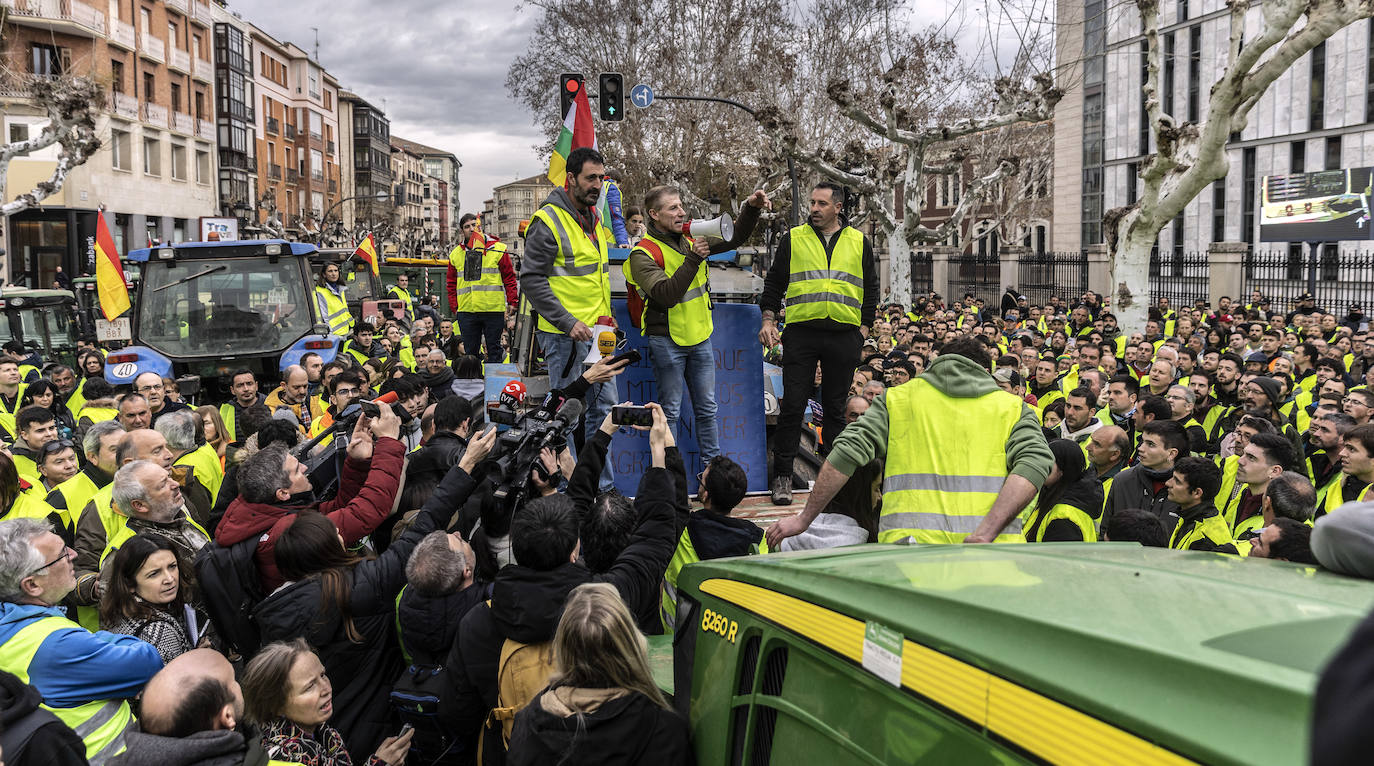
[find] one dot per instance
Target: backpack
(523, 672)
(633, 300)
(229, 581)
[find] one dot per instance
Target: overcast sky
(440, 68)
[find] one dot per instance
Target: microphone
(605, 343)
(570, 411)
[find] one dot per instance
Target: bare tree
(72, 105)
(1189, 156)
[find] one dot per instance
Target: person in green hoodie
(932, 493)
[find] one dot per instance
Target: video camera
(516, 452)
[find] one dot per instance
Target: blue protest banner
(739, 401)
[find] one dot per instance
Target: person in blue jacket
(85, 679)
(610, 188)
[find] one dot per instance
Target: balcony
(180, 61)
(274, 172)
(293, 176)
(290, 132)
(236, 160)
(183, 123)
(202, 70)
(273, 126)
(317, 175)
(329, 148)
(125, 106)
(200, 13)
(180, 6)
(205, 130)
(152, 49)
(122, 35)
(155, 114)
(68, 17)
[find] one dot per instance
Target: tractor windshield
(217, 307)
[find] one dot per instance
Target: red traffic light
(571, 85)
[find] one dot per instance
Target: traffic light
(611, 96)
(568, 86)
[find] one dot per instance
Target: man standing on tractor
(479, 272)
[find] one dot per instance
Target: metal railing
(293, 176)
(1336, 279)
(124, 105)
(183, 123)
(205, 129)
(273, 126)
(122, 34)
(78, 13)
(274, 172)
(290, 132)
(180, 60)
(1180, 277)
(1046, 275)
(977, 274)
(922, 277)
(153, 48)
(155, 114)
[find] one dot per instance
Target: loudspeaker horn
(721, 227)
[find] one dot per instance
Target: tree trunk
(1130, 274)
(899, 268)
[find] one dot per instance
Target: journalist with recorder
(671, 302)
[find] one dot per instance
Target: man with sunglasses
(84, 679)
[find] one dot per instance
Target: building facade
(1316, 116)
(512, 204)
(235, 119)
(297, 128)
(366, 134)
(440, 188)
(155, 175)
(408, 170)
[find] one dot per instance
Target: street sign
(111, 331)
(641, 95)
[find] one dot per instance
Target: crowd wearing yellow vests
(933, 494)
(204, 464)
(580, 278)
(75, 493)
(102, 724)
(689, 320)
(486, 293)
(333, 311)
(821, 288)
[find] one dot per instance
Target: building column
(1011, 256)
(939, 269)
(1226, 271)
(1099, 269)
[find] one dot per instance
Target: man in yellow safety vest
(961, 456)
(667, 271)
(401, 292)
(86, 680)
(825, 267)
(481, 286)
(565, 275)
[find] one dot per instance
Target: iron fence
(922, 276)
(1180, 277)
(1047, 275)
(977, 274)
(1334, 278)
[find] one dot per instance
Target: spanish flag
(109, 275)
(368, 252)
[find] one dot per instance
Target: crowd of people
(293, 577)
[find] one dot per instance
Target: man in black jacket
(527, 597)
(452, 427)
(31, 734)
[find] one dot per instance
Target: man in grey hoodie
(565, 274)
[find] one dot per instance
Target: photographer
(528, 596)
(273, 487)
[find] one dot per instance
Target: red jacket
(367, 491)
(507, 278)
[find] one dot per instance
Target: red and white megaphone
(721, 227)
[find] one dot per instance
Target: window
(149, 86)
(200, 105)
(117, 76)
(1247, 195)
(316, 125)
(1168, 85)
(114, 10)
(195, 45)
(145, 21)
(1178, 238)
(203, 171)
(45, 60)
(314, 85)
(317, 203)
(179, 162)
(1297, 156)
(1333, 153)
(1219, 210)
(1132, 180)
(172, 37)
(121, 150)
(316, 165)
(176, 97)
(1144, 115)
(1194, 69)
(18, 132)
(1316, 102)
(152, 155)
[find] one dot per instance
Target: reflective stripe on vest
(487, 293)
(333, 311)
(819, 288)
(1086, 526)
(102, 724)
(689, 320)
(226, 414)
(936, 495)
(580, 277)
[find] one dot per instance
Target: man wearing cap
(1262, 397)
(1307, 306)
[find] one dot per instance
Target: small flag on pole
(109, 274)
(368, 251)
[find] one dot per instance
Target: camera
(517, 449)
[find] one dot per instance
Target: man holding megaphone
(824, 269)
(671, 302)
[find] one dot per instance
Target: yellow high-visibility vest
(333, 311)
(934, 494)
(820, 288)
(487, 293)
(689, 320)
(580, 278)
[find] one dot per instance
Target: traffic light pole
(795, 214)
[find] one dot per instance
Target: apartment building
(514, 203)
(155, 175)
(234, 117)
(365, 144)
(297, 133)
(440, 188)
(408, 170)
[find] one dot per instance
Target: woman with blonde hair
(601, 705)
